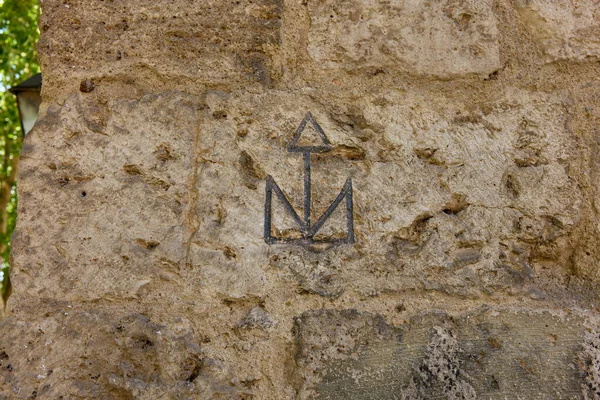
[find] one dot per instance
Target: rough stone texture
(440, 38)
(149, 43)
(484, 354)
(566, 30)
(139, 264)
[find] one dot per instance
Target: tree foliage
(18, 61)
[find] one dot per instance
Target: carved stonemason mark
(308, 230)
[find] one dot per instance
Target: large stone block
(489, 354)
(71, 353)
(143, 42)
(443, 39)
(565, 30)
(119, 173)
(462, 202)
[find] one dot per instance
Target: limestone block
(491, 354)
(117, 175)
(73, 353)
(143, 42)
(565, 30)
(442, 39)
(163, 198)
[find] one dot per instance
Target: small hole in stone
(220, 115)
(83, 194)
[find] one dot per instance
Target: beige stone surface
(565, 30)
(439, 38)
(487, 353)
(148, 43)
(140, 269)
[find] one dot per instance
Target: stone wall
(469, 130)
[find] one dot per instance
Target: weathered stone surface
(126, 201)
(565, 30)
(257, 318)
(142, 190)
(486, 354)
(146, 44)
(424, 37)
(106, 354)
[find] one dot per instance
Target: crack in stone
(192, 224)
